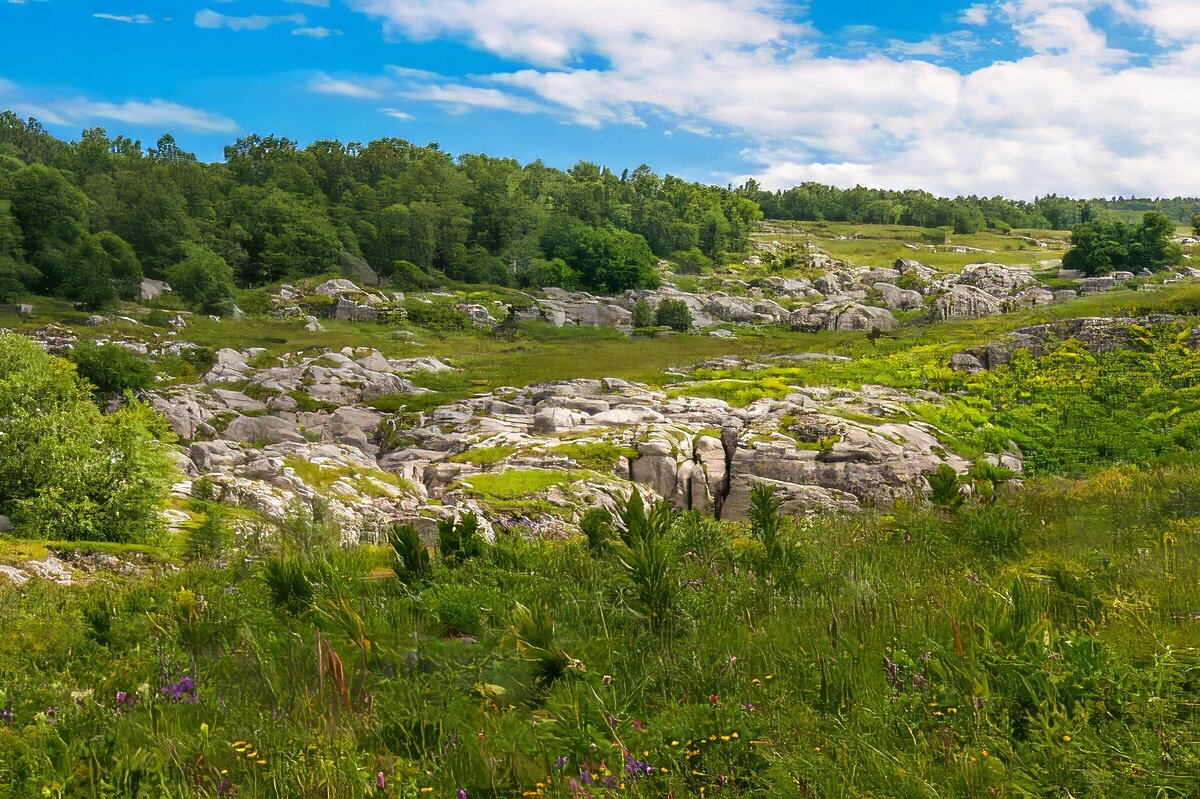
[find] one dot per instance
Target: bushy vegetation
(1040, 644)
(85, 219)
(66, 470)
(1112, 245)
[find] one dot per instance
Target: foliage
(437, 316)
(597, 527)
(643, 315)
(204, 280)
(410, 563)
(1110, 245)
(459, 539)
(274, 210)
(67, 472)
(674, 314)
(111, 368)
(944, 488)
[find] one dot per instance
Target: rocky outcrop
(1096, 334)
(834, 315)
(963, 302)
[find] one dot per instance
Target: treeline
(89, 219)
(814, 202)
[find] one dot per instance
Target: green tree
(1109, 245)
(1196, 223)
(674, 314)
(68, 472)
(204, 280)
(643, 314)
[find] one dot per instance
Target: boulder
(212, 456)
(996, 279)
(6, 525)
(830, 315)
(262, 429)
(896, 298)
(963, 302)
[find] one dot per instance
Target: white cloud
(978, 14)
(207, 18)
(396, 113)
(1069, 111)
(324, 84)
(137, 19)
(458, 98)
(79, 110)
(318, 32)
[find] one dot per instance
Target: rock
(152, 289)
(212, 456)
(6, 525)
(996, 279)
(262, 429)
(896, 298)
(907, 266)
(52, 569)
(830, 315)
(357, 269)
(965, 362)
(660, 472)
(963, 302)
(95, 320)
(237, 401)
(337, 288)
(1093, 284)
(550, 420)
(1063, 295)
(183, 413)
(14, 575)
(312, 325)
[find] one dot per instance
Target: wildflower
(1066, 739)
(606, 679)
(585, 777)
(6, 715)
(733, 660)
(978, 703)
(561, 762)
(612, 721)
(426, 789)
(124, 701)
(182, 691)
(461, 793)
(380, 780)
(638, 725)
(224, 787)
(713, 698)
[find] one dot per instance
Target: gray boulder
(963, 302)
(262, 429)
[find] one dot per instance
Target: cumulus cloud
(207, 18)
(79, 110)
(1067, 111)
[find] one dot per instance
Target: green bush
(674, 314)
(995, 531)
(436, 316)
(596, 526)
(111, 368)
(68, 472)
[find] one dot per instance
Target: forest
(87, 220)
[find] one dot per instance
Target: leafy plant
(410, 560)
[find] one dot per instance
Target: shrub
(454, 609)
(643, 314)
(596, 526)
(208, 540)
(410, 559)
(437, 316)
(674, 314)
(944, 488)
(66, 470)
(111, 368)
(459, 539)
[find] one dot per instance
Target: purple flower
(125, 701)
(380, 780)
(636, 768)
(561, 762)
(612, 721)
(978, 702)
(748, 708)
(585, 777)
(609, 781)
(461, 794)
(224, 787)
(182, 691)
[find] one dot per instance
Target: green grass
(600, 456)
(514, 484)
(484, 456)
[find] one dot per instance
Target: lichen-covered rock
(963, 302)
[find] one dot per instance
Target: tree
(674, 314)
(1110, 245)
(1196, 223)
(204, 280)
(68, 472)
(643, 314)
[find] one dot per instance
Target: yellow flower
(1066, 739)
(674, 743)
(984, 753)
(733, 735)
(426, 790)
(725, 738)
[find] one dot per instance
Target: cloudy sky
(1018, 97)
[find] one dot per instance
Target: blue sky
(1020, 97)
